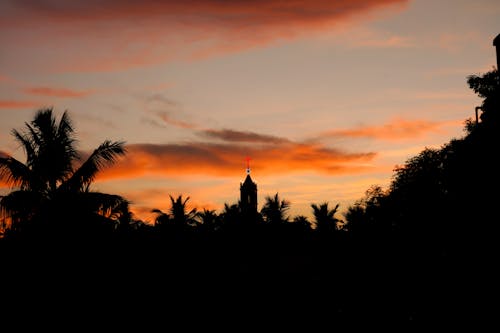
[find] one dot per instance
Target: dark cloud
(241, 136)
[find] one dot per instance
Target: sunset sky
(326, 97)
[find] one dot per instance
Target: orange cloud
(57, 92)
(125, 34)
(228, 159)
(396, 129)
(11, 104)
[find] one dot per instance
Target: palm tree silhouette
(325, 219)
(161, 219)
(49, 180)
(209, 220)
(230, 215)
(178, 216)
(302, 222)
(274, 209)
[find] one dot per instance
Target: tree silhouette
(179, 213)
(51, 183)
(161, 219)
(274, 210)
(178, 217)
(324, 217)
(487, 87)
(302, 222)
(209, 220)
(369, 215)
(230, 216)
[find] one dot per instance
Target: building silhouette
(496, 44)
(248, 197)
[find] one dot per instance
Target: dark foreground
(248, 283)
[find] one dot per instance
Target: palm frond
(27, 144)
(14, 172)
(45, 124)
(65, 137)
(65, 127)
(108, 205)
(19, 205)
(106, 154)
(34, 137)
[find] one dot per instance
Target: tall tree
(51, 182)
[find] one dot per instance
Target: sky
(326, 97)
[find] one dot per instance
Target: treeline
(398, 254)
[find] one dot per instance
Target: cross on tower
(248, 164)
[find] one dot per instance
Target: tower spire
(248, 196)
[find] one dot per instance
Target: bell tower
(248, 195)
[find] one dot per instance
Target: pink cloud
(125, 34)
(396, 129)
(234, 13)
(13, 104)
(386, 42)
(57, 92)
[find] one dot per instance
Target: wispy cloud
(230, 135)
(57, 92)
(14, 104)
(387, 42)
(202, 27)
(396, 129)
(361, 37)
(455, 42)
(167, 118)
(162, 111)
